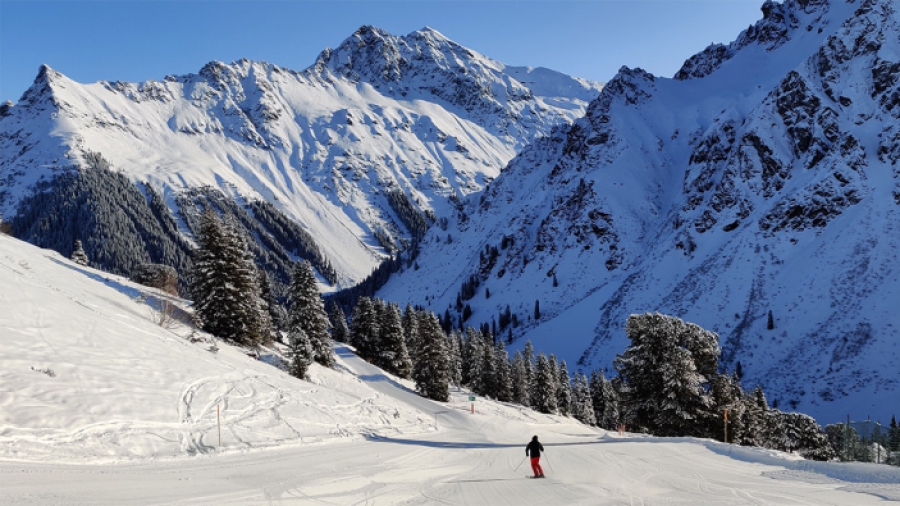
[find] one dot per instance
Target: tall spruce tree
(582, 404)
(225, 287)
(411, 330)
(300, 353)
(339, 330)
(364, 331)
(431, 373)
(543, 393)
(502, 374)
(454, 347)
(392, 356)
(520, 380)
(530, 367)
(564, 391)
(307, 312)
(474, 361)
(666, 368)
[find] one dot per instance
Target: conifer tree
(307, 312)
(364, 328)
(564, 391)
(519, 380)
(431, 373)
(225, 285)
(755, 419)
(488, 373)
(300, 353)
(392, 356)
(599, 402)
(474, 361)
(276, 313)
(411, 330)
(529, 361)
(79, 256)
(582, 405)
(502, 374)
(666, 368)
(454, 347)
(339, 330)
(543, 394)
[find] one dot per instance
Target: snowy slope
(128, 417)
(88, 374)
(761, 178)
(324, 145)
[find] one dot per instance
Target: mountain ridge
(715, 196)
(324, 150)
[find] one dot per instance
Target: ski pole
(548, 461)
(520, 464)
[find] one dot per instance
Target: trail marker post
(219, 424)
(472, 400)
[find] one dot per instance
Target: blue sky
(132, 40)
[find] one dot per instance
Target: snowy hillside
(331, 147)
(90, 374)
(102, 405)
(762, 178)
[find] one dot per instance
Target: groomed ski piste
(102, 405)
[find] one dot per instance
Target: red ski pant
(536, 466)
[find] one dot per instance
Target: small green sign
(472, 398)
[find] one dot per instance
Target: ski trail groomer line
(534, 449)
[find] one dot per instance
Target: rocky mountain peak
(779, 22)
(42, 87)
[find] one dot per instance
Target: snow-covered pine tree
(519, 380)
(224, 285)
(488, 373)
(761, 426)
(564, 391)
(802, 434)
(530, 363)
(582, 405)
(666, 367)
(502, 374)
(612, 413)
(454, 347)
(411, 330)
(79, 256)
(339, 330)
(277, 315)
(392, 356)
(300, 352)
(364, 328)
(543, 392)
(431, 373)
(473, 363)
(597, 399)
(307, 312)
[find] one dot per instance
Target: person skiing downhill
(534, 449)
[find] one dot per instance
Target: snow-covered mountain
(378, 137)
(762, 179)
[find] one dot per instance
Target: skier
(534, 449)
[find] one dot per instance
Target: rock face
(763, 177)
(330, 149)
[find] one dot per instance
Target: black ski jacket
(534, 449)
